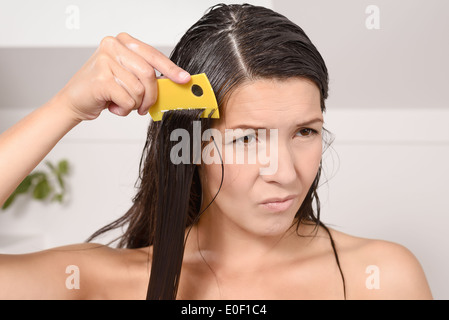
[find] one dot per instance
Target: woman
(210, 230)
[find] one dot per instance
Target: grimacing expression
(265, 204)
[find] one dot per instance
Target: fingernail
(184, 75)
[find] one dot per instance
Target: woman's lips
(278, 206)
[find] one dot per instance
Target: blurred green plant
(41, 185)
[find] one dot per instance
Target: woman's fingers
(120, 76)
(132, 95)
(143, 71)
(141, 60)
(155, 58)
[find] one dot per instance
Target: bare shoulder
(379, 269)
(81, 271)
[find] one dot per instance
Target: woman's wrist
(62, 110)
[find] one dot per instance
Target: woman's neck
(227, 247)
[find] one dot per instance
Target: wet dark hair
(233, 45)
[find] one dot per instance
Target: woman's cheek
(210, 177)
(313, 166)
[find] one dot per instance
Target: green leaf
(50, 165)
(41, 185)
(63, 167)
(58, 197)
(9, 201)
(24, 185)
(38, 175)
(60, 180)
(42, 190)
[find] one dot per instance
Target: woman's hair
(232, 44)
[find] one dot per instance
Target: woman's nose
(281, 167)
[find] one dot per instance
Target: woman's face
(260, 196)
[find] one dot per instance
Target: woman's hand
(120, 76)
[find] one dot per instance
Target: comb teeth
(196, 94)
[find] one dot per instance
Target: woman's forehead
(272, 103)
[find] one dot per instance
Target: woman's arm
(25, 144)
(81, 271)
(120, 76)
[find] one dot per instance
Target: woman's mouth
(278, 205)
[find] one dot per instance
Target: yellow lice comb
(195, 94)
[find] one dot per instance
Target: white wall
(388, 175)
(81, 23)
(387, 169)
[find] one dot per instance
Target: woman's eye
(248, 139)
(307, 132)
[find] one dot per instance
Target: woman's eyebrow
(255, 126)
